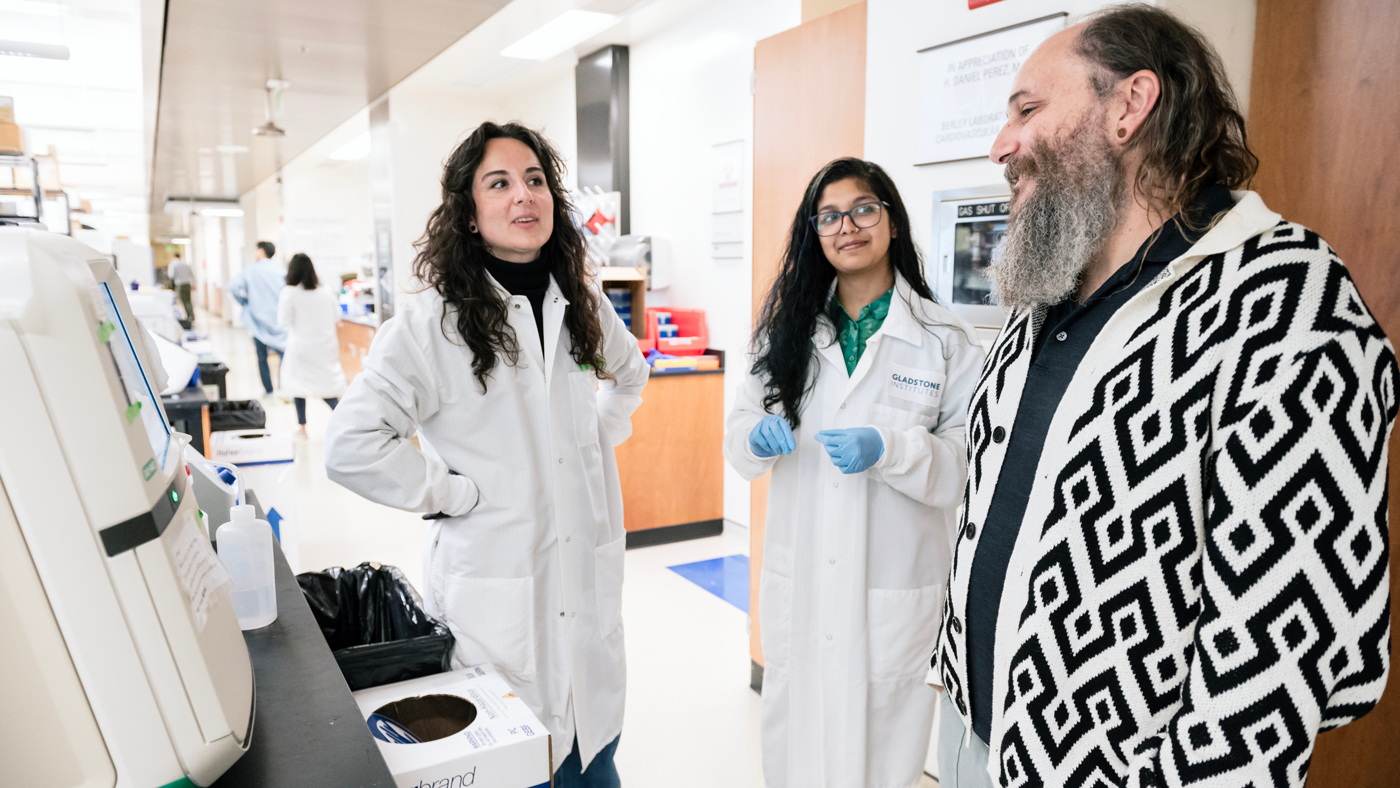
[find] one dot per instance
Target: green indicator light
(174, 496)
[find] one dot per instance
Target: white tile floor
(691, 719)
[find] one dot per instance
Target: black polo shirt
(1065, 336)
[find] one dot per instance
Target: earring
(472, 228)
(1121, 134)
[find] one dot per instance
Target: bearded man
(1172, 565)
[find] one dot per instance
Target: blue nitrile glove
(853, 450)
(772, 436)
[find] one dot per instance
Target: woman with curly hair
(519, 379)
(856, 399)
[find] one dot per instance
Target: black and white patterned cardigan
(1201, 581)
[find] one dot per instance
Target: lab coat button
(971, 530)
(568, 538)
(517, 306)
(999, 434)
(561, 460)
(561, 614)
(573, 614)
(843, 406)
(828, 637)
(836, 484)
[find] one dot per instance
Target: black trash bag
(374, 623)
(237, 414)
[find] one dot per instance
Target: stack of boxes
(11, 141)
(621, 299)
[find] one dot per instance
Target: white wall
(690, 90)
(327, 214)
(897, 29)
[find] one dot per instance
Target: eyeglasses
(867, 214)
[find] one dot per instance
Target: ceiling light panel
(565, 31)
(353, 150)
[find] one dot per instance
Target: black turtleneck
(524, 279)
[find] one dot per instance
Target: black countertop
(307, 730)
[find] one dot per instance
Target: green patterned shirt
(852, 334)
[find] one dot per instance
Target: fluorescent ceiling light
(567, 30)
(175, 205)
(353, 150)
(180, 241)
(31, 7)
(231, 148)
(33, 49)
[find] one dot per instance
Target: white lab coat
(311, 362)
(527, 573)
(854, 566)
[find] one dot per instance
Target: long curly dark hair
(451, 259)
(1195, 135)
(784, 347)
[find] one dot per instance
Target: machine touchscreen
(141, 400)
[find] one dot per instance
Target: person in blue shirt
(256, 289)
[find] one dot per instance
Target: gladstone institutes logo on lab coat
(920, 386)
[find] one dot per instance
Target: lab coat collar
(554, 305)
(901, 322)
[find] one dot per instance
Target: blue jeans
(962, 757)
(263, 369)
(601, 773)
(300, 402)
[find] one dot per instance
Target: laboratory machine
(121, 660)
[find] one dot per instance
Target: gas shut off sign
(964, 84)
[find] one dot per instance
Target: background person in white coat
(856, 399)
(311, 364)
(518, 393)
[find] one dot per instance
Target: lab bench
(672, 468)
(307, 730)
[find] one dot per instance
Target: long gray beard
(1062, 225)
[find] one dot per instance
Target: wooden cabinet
(354, 346)
(672, 468)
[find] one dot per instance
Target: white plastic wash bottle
(245, 547)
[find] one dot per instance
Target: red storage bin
(692, 335)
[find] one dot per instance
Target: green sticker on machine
(104, 331)
(149, 469)
(132, 411)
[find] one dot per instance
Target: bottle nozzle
(242, 514)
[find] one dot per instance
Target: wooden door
(1323, 115)
(809, 108)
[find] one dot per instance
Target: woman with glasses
(856, 400)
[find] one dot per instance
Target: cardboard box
(474, 732)
(11, 140)
(267, 463)
(7, 109)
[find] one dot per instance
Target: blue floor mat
(726, 578)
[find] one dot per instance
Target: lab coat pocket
(903, 628)
(775, 619)
(607, 581)
(583, 393)
(899, 419)
(493, 620)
